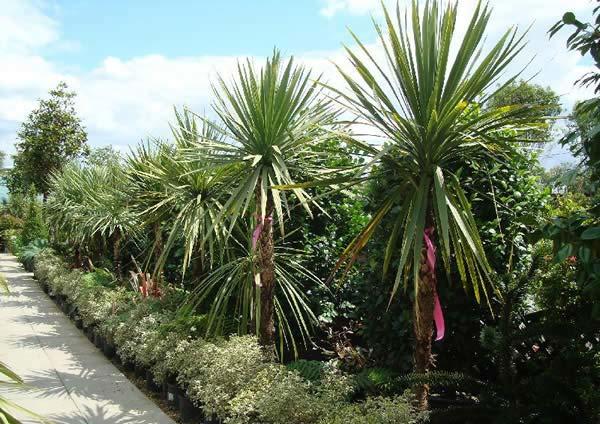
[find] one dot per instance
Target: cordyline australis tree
(175, 187)
(90, 204)
(419, 100)
(271, 118)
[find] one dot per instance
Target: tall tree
(421, 101)
(544, 102)
(51, 135)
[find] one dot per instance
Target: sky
(131, 62)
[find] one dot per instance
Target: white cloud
(354, 7)
(124, 100)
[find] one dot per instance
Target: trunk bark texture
(158, 247)
(423, 328)
(117, 254)
(265, 249)
(78, 258)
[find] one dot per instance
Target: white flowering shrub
(224, 369)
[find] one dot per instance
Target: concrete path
(75, 382)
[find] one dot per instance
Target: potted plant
(150, 383)
(99, 340)
(172, 392)
(140, 370)
(188, 411)
(109, 348)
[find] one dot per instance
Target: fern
(309, 370)
(440, 379)
(374, 380)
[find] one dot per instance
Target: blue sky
(132, 61)
(193, 28)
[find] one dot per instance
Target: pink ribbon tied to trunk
(258, 229)
(438, 315)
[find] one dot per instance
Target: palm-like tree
(91, 202)
(171, 184)
(271, 118)
(11, 381)
(421, 102)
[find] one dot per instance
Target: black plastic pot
(172, 394)
(163, 390)
(140, 371)
(78, 322)
(129, 366)
(150, 384)
(89, 332)
(99, 341)
(45, 288)
(189, 412)
(109, 350)
(72, 311)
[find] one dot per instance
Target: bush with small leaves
(377, 410)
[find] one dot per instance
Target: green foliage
(375, 410)
(28, 253)
(103, 156)
(33, 226)
(585, 39)
(544, 102)
(13, 383)
(49, 138)
(424, 107)
(309, 370)
(374, 380)
(231, 377)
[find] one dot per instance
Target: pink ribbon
(438, 315)
(258, 229)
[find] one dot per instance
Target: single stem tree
(420, 101)
(51, 136)
(271, 117)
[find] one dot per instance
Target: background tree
(33, 226)
(51, 136)
(544, 102)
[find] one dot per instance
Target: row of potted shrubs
(228, 380)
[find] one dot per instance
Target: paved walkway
(75, 382)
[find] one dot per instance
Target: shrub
(162, 354)
(377, 410)
(222, 370)
(33, 226)
(96, 304)
(28, 253)
(275, 395)
(131, 334)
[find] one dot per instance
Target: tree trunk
(117, 254)
(423, 328)
(158, 247)
(78, 259)
(266, 264)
